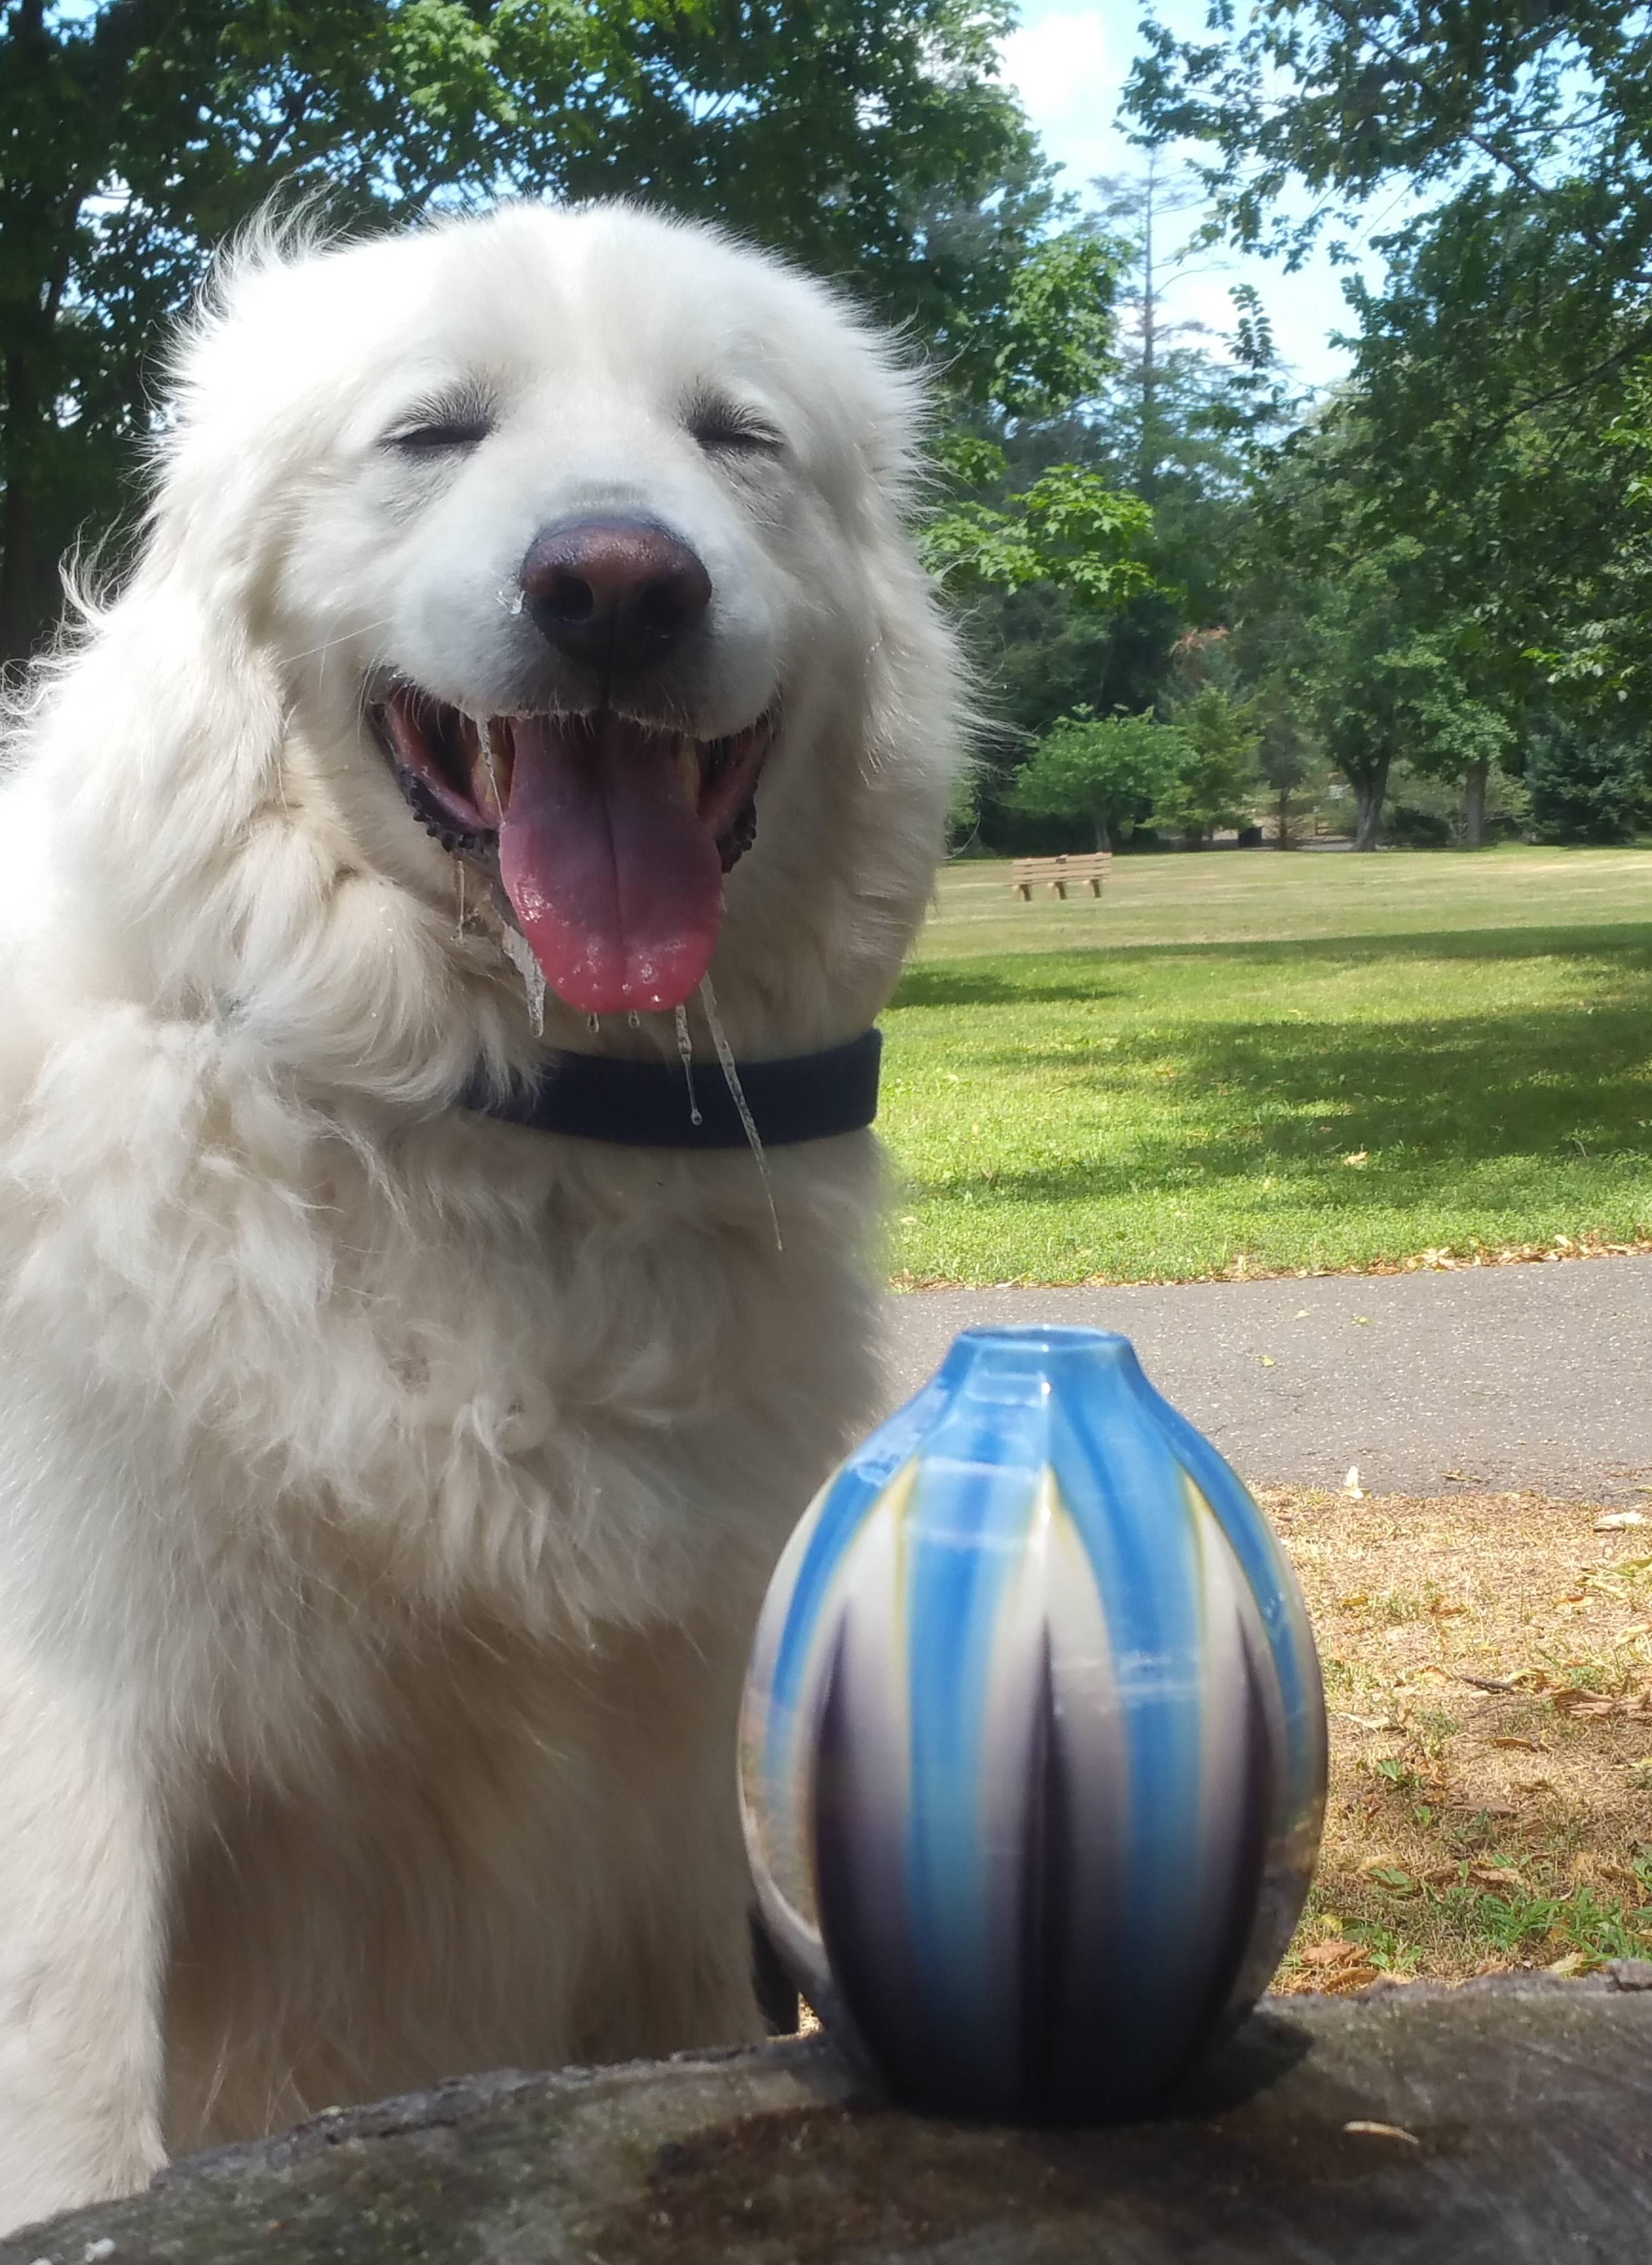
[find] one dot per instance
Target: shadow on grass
(972, 983)
(985, 978)
(1529, 1087)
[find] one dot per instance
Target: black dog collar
(646, 1105)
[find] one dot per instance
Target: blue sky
(1069, 60)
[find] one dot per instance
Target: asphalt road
(1536, 1376)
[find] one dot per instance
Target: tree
(1602, 656)
(1551, 104)
(1213, 774)
(1104, 771)
(1495, 359)
(867, 138)
(1584, 784)
(1169, 422)
(1141, 204)
(1069, 528)
(1286, 756)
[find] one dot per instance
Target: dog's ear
(166, 719)
(160, 735)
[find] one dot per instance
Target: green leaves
(1106, 772)
(1214, 773)
(1069, 527)
(1478, 457)
(1058, 325)
(869, 139)
(1190, 776)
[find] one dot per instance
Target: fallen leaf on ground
(1342, 1981)
(1526, 1745)
(1590, 1705)
(1615, 1519)
(1332, 1954)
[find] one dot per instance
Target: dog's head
(570, 548)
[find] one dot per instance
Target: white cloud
(1069, 80)
(1062, 69)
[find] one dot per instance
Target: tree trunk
(1370, 791)
(1285, 842)
(1474, 805)
(1147, 458)
(19, 524)
(31, 300)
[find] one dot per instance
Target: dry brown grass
(1487, 1667)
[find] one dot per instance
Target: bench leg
(1095, 886)
(1060, 888)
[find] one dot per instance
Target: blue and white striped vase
(1032, 1754)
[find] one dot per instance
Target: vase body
(1032, 1753)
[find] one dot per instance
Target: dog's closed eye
(439, 429)
(723, 428)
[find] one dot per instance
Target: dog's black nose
(615, 594)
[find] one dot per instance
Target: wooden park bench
(1087, 870)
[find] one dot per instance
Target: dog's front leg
(80, 1956)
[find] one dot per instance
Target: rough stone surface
(1535, 1376)
(1519, 2132)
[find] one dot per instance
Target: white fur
(385, 1492)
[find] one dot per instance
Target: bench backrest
(1079, 867)
(1088, 870)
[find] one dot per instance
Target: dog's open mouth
(613, 837)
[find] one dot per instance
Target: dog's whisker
(336, 635)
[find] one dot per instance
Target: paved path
(1500, 1376)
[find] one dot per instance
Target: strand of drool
(519, 953)
(487, 756)
(685, 1055)
(517, 948)
(731, 1078)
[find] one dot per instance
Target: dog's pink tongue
(617, 883)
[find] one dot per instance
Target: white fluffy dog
(386, 1489)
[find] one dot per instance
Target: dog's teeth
(689, 767)
(739, 839)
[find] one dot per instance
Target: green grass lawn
(1250, 1062)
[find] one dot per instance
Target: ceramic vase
(1032, 1753)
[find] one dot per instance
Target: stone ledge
(1516, 2119)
